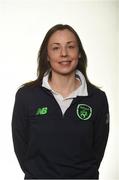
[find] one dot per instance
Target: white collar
(81, 91)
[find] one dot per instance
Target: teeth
(65, 62)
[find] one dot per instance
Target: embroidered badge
(84, 111)
(42, 111)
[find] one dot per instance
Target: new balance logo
(42, 111)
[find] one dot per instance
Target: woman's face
(63, 52)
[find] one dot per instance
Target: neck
(64, 84)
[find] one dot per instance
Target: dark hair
(43, 64)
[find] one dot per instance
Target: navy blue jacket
(51, 145)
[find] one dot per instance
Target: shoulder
(92, 89)
(97, 92)
(98, 97)
(25, 92)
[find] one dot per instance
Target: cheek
(53, 58)
(52, 61)
(52, 55)
(75, 58)
(76, 62)
(74, 54)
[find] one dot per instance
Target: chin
(66, 73)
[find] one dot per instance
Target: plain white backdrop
(23, 25)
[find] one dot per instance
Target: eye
(55, 48)
(71, 47)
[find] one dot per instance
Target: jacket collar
(81, 91)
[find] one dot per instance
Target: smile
(65, 62)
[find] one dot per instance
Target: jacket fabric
(50, 145)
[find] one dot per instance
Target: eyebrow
(66, 42)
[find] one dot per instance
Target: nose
(63, 51)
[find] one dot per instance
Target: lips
(65, 62)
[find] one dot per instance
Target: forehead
(62, 36)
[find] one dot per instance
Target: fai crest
(84, 111)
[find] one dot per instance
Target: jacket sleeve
(20, 128)
(101, 130)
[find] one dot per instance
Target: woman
(60, 121)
